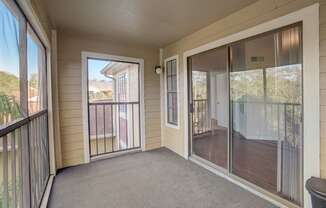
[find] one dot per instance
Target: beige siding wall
(70, 47)
(322, 45)
(39, 8)
(250, 16)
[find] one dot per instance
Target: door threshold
(47, 192)
(115, 154)
(270, 197)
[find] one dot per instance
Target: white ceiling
(150, 22)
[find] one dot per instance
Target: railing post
(112, 129)
(25, 161)
(104, 137)
(126, 126)
(96, 130)
(13, 168)
(5, 202)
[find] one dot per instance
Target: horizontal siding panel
(322, 14)
(72, 90)
(72, 137)
(323, 130)
(74, 149)
(153, 115)
(153, 146)
(157, 129)
(152, 109)
(70, 80)
(322, 79)
(71, 146)
(322, 32)
(71, 122)
(323, 113)
(72, 131)
(322, 64)
(322, 97)
(72, 161)
(72, 155)
(73, 105)
(69, 98)
(157, 143)
(71, 114)
(322, 49)
(151, 127)
(153, 123)
(323, 172)
(151, 134)
(152, 102)
(150, 98)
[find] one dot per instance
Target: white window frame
(167, 124)
(84, 56)
(309, 16)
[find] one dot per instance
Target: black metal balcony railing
(25, 161)
(282, 122)
(200, 117)
(113, 127)
(279, 122)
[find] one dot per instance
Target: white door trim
(85, 55)
(309, 17)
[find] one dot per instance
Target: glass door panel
(209, 98)
(266, 108)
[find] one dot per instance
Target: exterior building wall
(322, 82)
(70, 46)
(254, 14)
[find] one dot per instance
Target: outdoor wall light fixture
(158, 69)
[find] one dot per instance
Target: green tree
(9, 92)
(9, 109)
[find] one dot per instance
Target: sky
(94, 69)
(9, 44)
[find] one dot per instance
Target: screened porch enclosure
(24, 135)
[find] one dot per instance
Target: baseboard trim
(115, 154)
(47, 192)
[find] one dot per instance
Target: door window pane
(10, 100)
(210, 106)
(266, 106)
(36, 74)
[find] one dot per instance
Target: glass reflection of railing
(200, 118)
(280, 121)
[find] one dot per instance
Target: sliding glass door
(266, 106)
(209, 98)
(255, 87)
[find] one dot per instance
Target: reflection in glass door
(266, 106)
(210, 106)
(255, 87)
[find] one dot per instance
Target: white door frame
(85, 55)
(309, 17)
